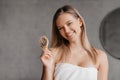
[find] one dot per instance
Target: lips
(70, 35)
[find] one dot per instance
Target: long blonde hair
(57, 41)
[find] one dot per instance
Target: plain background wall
(22, 22)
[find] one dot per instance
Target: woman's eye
(60, 28)
(69, 23)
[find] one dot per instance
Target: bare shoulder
(101, 54)
(102, 58)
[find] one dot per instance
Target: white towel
(67, 71)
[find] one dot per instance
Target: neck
(76, 45)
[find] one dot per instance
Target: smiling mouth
(70, 35)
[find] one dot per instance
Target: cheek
(77, 27)
(61, 33)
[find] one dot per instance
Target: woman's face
(69, 26)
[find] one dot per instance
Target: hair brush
(43, 41)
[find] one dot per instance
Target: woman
(71, 56)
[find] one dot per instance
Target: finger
(48, 53)
(45, 49)
(45, 56)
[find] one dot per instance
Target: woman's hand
(47, 58)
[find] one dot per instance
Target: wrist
(49, 73)
(49, 68)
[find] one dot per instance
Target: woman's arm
(48, 60)
(47, 74)
(103, 66)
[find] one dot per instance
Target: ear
(80, 21)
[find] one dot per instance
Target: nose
(66, 29)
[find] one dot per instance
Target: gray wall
(22, 22)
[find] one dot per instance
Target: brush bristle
(43, 41)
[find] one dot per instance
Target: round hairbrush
(44, 42)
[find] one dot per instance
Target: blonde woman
(71, 56)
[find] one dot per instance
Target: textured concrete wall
(22, 22)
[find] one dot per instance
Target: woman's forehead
(65, 17)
